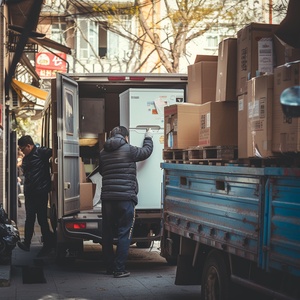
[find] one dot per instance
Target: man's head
(120, 130)
(25, 144)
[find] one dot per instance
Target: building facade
(83, 36)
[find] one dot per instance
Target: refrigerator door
(142, 108)
(149, 173)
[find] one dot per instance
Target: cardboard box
(260, 103)
(248, 52)
(218, 124)
(82, 175)
(226, 71)
(202, 77)
(242, 126)
(87, 190)
(286, 131)
(181, 125)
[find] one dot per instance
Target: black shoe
(19, 203)
(24, 246)
(121, 274)
(44, 251)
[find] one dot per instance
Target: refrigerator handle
(155, 127)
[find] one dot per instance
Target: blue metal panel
(220, 209)
(282, 237)
(250, 212)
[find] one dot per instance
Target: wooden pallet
(175, 155)
(212, 152)
(284, 160)
(200, 155)
(210, 162)
(227, 155)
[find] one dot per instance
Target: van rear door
(67, 145)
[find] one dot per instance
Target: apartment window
(109, 39)
(87, 39)
(55, 3)
(58, 33)
(212, 41)
(102, 39)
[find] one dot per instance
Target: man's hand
(149, 133)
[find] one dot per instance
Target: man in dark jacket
(37, 184)
(119, 195)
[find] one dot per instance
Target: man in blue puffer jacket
(37, 184)
(119, 195)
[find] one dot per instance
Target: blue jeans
(117, 220)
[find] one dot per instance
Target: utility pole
(270, 11)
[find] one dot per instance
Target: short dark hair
(25, 140)
(119, 130)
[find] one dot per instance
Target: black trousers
(36, 206)
(117, 217)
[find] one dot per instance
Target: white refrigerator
(141, 109)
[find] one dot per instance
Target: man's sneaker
(44, 251)
(24, 246)
(121, 274)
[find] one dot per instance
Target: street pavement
(151, 278)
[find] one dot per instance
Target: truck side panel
(252, 213)
(282, 245)
(218, 209)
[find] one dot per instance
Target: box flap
(200, 58)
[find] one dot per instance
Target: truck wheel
(143, 245)
(215, 278)
(146, 244)
(171, 260)
(61, 255)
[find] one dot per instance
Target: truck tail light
(81, 225)
(137, 78)
(116, 78)
(76, 225)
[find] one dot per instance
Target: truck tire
(171, 260)
(143, 245)
(215, 278)
(60, 255)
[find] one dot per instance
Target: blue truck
(231, 226)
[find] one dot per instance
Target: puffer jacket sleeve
(142, 153)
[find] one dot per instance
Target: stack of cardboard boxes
(235, 97)
(87, 189)
(263, 130)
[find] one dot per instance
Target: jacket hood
(114, 143)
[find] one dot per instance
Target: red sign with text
(48, 64)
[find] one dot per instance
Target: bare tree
(160, 34)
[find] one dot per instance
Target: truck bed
(250, 212)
